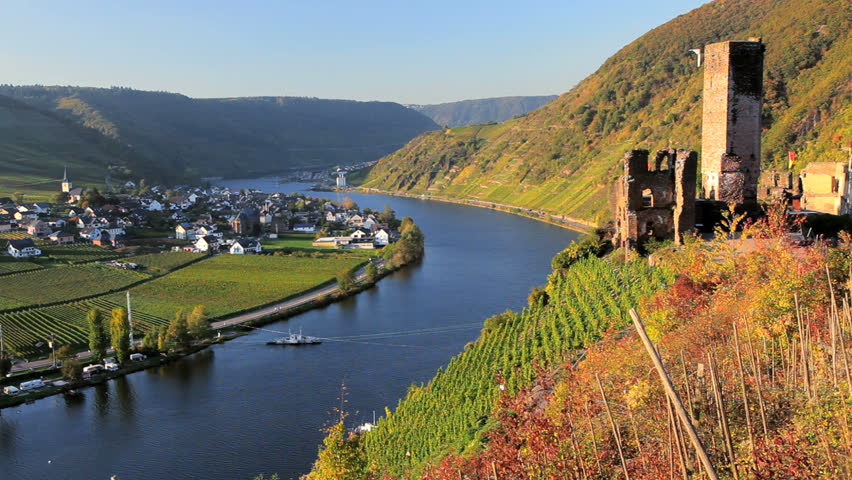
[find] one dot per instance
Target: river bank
(574, 224)
(316, 297)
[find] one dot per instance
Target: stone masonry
(656, 201)
(730, 135)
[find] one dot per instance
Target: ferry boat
(295, 339)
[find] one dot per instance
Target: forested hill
(483, 110)
(234, 136)
(564, 156)
(35, 146)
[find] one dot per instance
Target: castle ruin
(730, 132)
(653, 201)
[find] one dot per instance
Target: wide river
(243, 408)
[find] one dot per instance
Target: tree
(162, 339)
(178, 331)
(371, 272)
(119, 330)
(339, 459)
(149, 341)
(60, 198)
(387, 215)
(5, 365)
(345, 279)
(349, 204)
(197, 323)
(72, 370)
(64, 353)
(98, 340)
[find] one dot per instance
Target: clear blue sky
(427, 51)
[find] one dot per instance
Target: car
(112, 366)
(10, 390)
(138, 357)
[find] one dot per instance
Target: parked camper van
(137, 357)
(32, 385)
(93, 369)
(10, 390)
(111, 366)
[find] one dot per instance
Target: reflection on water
(101, 394)
(125, 397)
(8, 433)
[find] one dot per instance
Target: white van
(111, 366)
(10, 390)
(137, 357)
(93, 369)
(32, 385)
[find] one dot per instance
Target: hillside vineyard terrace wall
(730, 133)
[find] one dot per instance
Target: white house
(155, 206)
(381, 237)
(207, 243)
(304, 227)
(90, 233)
(24, 247)
(360, 233)
(243, 246)
(184, 231)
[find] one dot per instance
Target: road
(229, 322)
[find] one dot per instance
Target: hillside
(563, 157)
(483, 110)
(35, 146)
(233, 136)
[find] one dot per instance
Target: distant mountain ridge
(233, 136)
(563, 157)
(482, 110)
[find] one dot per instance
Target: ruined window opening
(835, 185)
(647, 198)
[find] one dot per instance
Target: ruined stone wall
(733, 93)
(668, 209)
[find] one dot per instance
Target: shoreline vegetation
(563, 221)
(349, 282)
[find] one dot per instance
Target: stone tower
(66, 184)
(730, 134)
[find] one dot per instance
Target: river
(243, 408)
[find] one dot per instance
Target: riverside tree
(339, 459)
(98, 340)
(178, 331)
(345, 279)
(371, 272)
(197, 323)
(119, 330)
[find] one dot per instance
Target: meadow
(290, 240)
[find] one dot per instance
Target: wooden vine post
(673, 396)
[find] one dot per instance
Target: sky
(430, 51)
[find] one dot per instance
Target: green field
(290, 240)
(161, 263)
(15, 265)
(59, 284)
(230, 283)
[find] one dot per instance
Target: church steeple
(66, 184)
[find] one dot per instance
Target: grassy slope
(235, 136)
(483, 110)
(564, 156)
(35, 147)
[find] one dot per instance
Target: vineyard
(60, 284)
(581, 303)
(161, 263)
(13, 265)
(76, 253)
(230, 283)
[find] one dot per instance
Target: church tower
(730, 130)
(66, 184)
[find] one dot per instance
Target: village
(208, 219)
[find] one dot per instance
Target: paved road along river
(242, 408)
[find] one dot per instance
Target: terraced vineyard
(62, 283)
(14, 265)
(77, 253)
(160, 263)
(583, 302)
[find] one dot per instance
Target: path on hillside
(243, 318)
